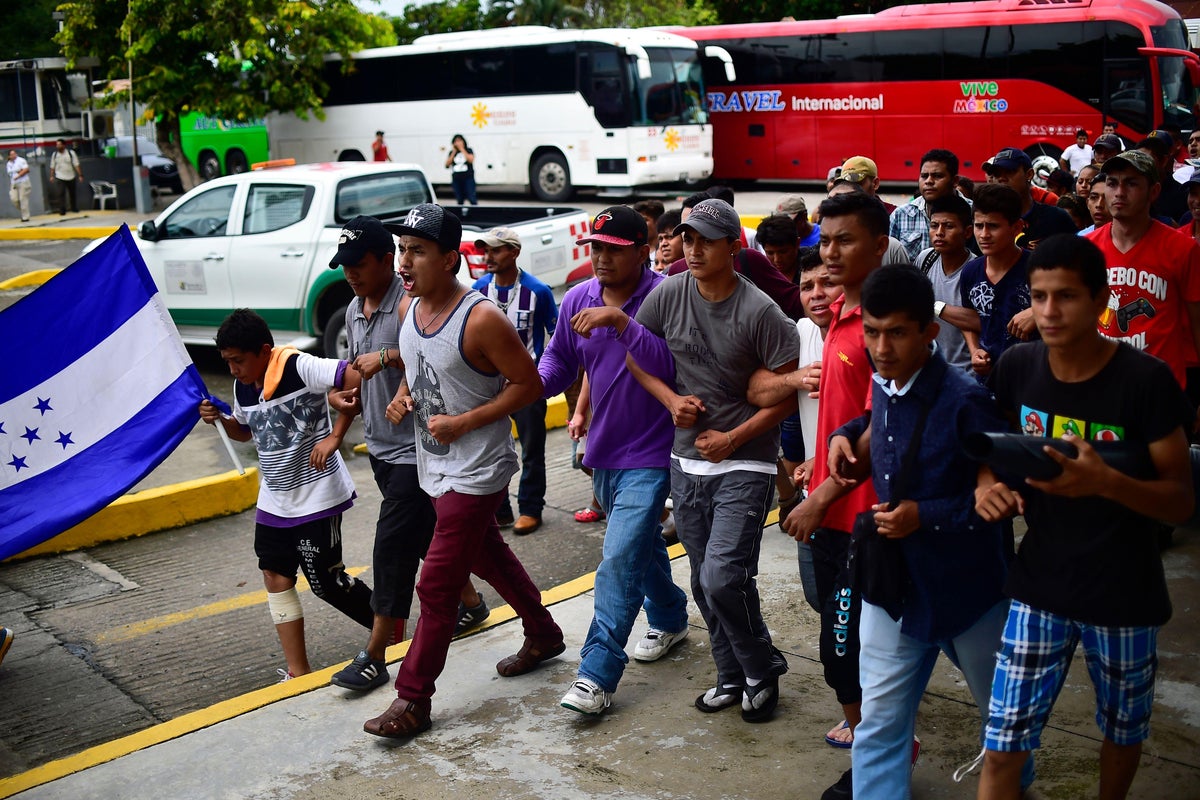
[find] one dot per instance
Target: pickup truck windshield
(385, 195)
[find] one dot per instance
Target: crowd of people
(838, 360)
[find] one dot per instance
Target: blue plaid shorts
(1032, 664)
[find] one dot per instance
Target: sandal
(833, 741)
(527, 659)
(719, 698)
(403, 718)
(590, 514)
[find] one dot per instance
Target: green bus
(221, 146)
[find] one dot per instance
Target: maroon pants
(466, 540)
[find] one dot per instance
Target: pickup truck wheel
(335, 340)
(551, 179)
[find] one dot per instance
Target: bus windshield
(674, 92)
(1178, 93)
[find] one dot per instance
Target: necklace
(425, 328)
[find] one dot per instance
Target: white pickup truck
(263, 240)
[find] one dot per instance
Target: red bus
(973, 77)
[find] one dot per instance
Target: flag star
(43, 406)
(2, 428)
(30, 434)
(18, 464)
(64, 439)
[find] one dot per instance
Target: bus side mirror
(722, 55)
(148, 231)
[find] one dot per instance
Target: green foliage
(236, 59)
(28, 30)
(445, 16)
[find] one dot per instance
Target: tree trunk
(169, 143)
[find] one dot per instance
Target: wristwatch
(938, 307)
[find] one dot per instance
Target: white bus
(551, 109)
(41, 102)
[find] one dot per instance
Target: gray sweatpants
(720, 524)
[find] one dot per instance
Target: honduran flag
(96, 389)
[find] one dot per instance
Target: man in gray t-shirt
(720, 328)
(950, 221)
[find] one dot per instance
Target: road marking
(133, 630)
(103, 570)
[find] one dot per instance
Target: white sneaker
(586, 697)
(655, 644)
(669, 530)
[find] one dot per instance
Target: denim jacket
(956, 564)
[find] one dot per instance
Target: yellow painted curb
(35, 278)
(156, 510)
(91, 232)
(243, 704)
(751, 220)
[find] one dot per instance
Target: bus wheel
(210, 165)
(1045, 160)
(235, 162)
(551, 179)
(335, 340)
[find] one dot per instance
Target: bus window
(544, 69)
(18, 101)
(1125, 82)
(910, 55)
(1178, 93)
(603, 73)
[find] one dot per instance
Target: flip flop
(838, 743)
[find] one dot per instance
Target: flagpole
(237, 462)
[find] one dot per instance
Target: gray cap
(712, 219)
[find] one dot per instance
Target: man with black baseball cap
(1013, 167)
(469, 372)
(1153, 271)
(366, 253)
(720, 328)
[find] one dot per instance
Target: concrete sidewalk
(496, 737)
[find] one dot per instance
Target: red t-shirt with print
(1151, 286)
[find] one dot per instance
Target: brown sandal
(403, 718)
(531, 654)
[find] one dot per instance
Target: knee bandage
(285, 606)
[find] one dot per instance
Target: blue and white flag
(96, 389)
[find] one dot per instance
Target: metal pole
(141, 189)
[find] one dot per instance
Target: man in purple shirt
(629, 452)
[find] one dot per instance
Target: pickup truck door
(190, 260)
(273, 252)
(548, 245)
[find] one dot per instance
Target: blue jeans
(635, 568)
(894, 670)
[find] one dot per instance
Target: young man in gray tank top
(466, 371)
